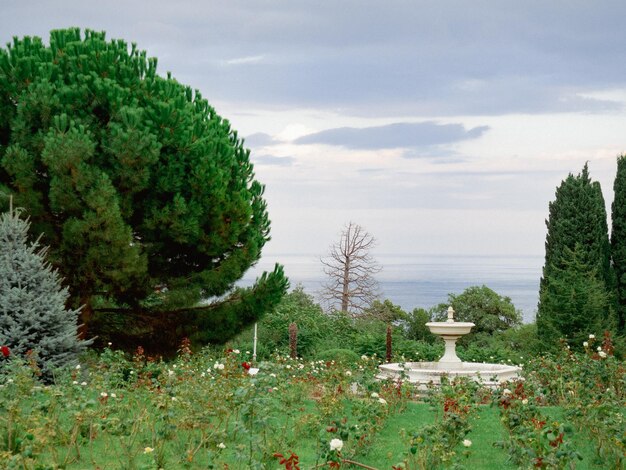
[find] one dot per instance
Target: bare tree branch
(350, 268)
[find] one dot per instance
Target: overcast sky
(441, 127)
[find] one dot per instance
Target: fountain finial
(450, 315)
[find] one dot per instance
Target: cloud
(259, 139)
(272, 160)
(245, 60)
(418, 135)
(366, 57)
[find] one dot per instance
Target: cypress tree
(576, 299)
(577, 224)
(618, 239)
(145, 195)
(32, 302)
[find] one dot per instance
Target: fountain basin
(450, 328)
(421, 374)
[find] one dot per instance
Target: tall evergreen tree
(618, 239)
(577, 224)
(146, 196)
(576, 299)
(32, 302)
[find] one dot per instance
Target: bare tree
(350, 269)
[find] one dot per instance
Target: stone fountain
(423, 373)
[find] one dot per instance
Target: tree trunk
(388, 355)
(86, 314)
(345, 294)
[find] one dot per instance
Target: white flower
(174, 399)
(104, 394)
(111, 344)
(273, 375)
(203, 374)
(585, 344)
(287, 366)
(506, 392)
(83, 383)
(382, 401)
(525, 401)
(374, 395)
(113, 395)
(148, 450)
(599, 348)
(170, 372)
(336, 444)
(77, 366)
(301, 366)
(75, 382)
(348, 373)
(236, 351)
(218, 365)
(247, 352)
(253, 371)
(602, 354)
(364, 357)
(221, 445)
(592, 336)
(467, 443)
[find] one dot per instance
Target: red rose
(245, 365)
(6, 352)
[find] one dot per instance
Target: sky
(440, 127)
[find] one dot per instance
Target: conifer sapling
(33, 315)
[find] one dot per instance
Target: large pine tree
(32, 301)
(577, 224)
(618, 238)
(145, 195)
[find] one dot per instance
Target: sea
(418, 280)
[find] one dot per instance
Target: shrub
(338, 355)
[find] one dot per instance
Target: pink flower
(6, 352)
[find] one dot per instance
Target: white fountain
(424, 373)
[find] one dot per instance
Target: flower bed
(213, 409)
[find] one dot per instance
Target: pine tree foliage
(577, 224)
(32, 301)
(618, 239)
(146, 196)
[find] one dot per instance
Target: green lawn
(486, 430)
